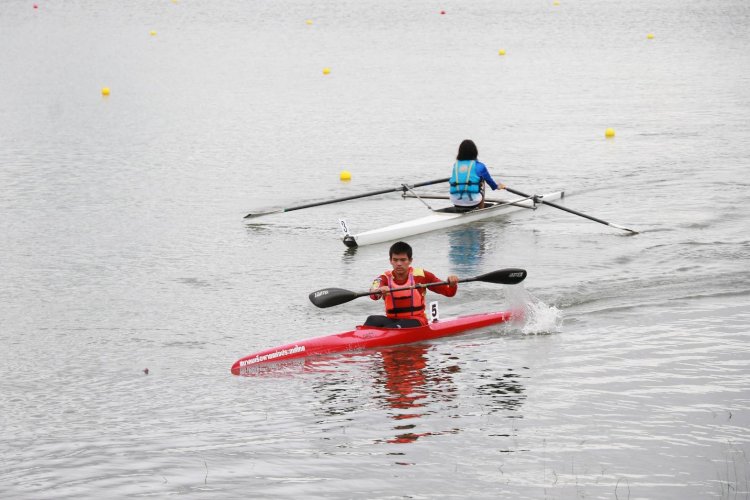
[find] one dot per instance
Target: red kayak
(366, 337)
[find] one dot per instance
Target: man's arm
(377, 284)
(447, 290)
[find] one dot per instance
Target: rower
(468, 179)
(405, 308)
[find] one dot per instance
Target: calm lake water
(124, 248)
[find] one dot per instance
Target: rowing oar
(600, 221)
(329, 297)
(402, 187)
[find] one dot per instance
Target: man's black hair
(398, 248)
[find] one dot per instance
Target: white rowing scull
(441, 219)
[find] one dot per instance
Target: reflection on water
(409, 385)
(414, 385)
(280, 369)
(404, 378)
(348, 255)
(467, 247)
(505, 392)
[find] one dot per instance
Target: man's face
(400, 263)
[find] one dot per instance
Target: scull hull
(440, 220)
(365, 337)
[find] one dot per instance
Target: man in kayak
(468, 178)
(405, 308)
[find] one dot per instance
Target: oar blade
(510, 276)
(329, 297)
(266, 212)
(632, 231)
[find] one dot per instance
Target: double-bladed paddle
(329, 297)
(540, 199)
(402, 187)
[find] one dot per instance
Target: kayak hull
(367, 337)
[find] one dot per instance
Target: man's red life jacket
(406, 303)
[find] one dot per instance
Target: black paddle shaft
(329, 297)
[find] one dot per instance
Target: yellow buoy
(308, 22)
(650, 36)
(105, 90)
(326, 71)
(610, 132)
(152, 33)
(501, 52)
(345, 175)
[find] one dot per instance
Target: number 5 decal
(434, 315)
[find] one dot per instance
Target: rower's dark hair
(398, 248)
(467, 151)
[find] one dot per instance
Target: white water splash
(539, 317)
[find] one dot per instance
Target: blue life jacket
(464, 179)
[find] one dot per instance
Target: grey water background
(124, 247)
